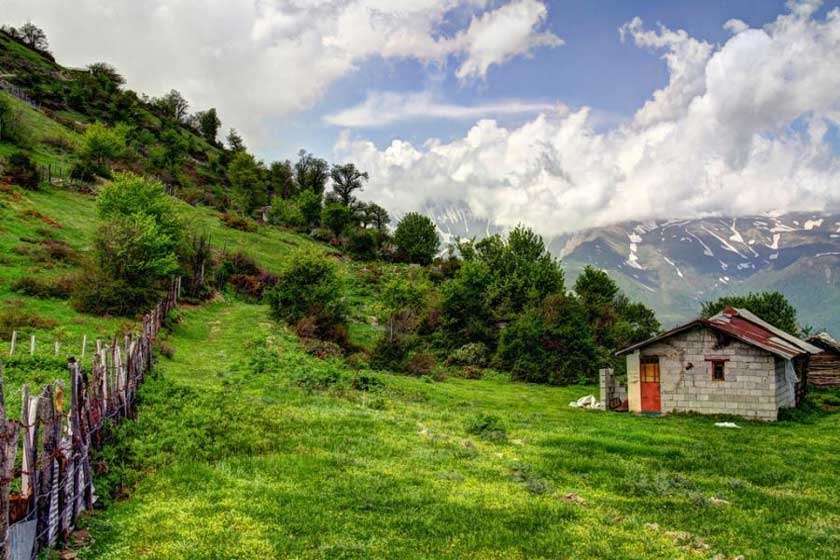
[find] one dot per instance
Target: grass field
(246, 447)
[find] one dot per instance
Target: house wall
(634, 388)
(749, 388)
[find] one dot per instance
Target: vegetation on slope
(248, 447)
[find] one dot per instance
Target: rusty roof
(746, 327)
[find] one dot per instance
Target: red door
(649, 373)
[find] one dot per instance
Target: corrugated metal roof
(746, 327)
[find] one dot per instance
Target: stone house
(732, 363)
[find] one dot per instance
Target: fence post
(14, 340)
(32, 345)
(84, 345)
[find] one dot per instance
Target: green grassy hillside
(247, 447)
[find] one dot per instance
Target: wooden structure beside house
(824, 370)
(732, 363)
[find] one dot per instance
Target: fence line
(57, 435)
(18, 92)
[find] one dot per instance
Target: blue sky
(594, 68)
(531, 111)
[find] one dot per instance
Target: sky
(560, 115)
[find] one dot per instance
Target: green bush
(59, 288)
(309, 287)
(487, 427)
(472, 354)
(103, 294)
(551, 343)
(336, 217)
(361, 243)
(12, 128)
(286, 213)
(21, 170)
(416, 238)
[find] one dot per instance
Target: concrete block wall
(749, 388)
(612, 392)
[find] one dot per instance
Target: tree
(173, 105)
(21, 170)
(417, 238)
(377, 216)
(101, 146)
(310, 206)
(772, 307)
(235, 142)
(311, 173)
(281, 179)
(108, 78)
(467, 316)
(137, 247)
(33, 36)
(336, 217)
(310, 289)
(550, 343)
(209, 124)
(129, 194)
(246, 180)
(347, 179)
(523, 271)
(614, 320)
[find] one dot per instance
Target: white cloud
(385, 108)
(257, 59)
(740, 128)
(495, 37)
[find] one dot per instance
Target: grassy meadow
(247, 447)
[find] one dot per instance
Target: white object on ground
(589, 401)
(727, 425)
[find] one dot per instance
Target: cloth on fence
(21, 539)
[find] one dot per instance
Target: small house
(824, 369)
(732, 363)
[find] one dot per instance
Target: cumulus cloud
(739, 128)
(385, 108)
(259, 59)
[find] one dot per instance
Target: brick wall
(749, 388)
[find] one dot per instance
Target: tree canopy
(772, 307)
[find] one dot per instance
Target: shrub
(472, 354)
(389, 354)
(309, 203)
(103, 294)
(316, 379)
(21, 171)
(310, 287)
(286, 213)
(361, 243)
(101, 145)
(165, 349)
(322, 349)
(487, 427)
(12, 128)
(239, 223)
(417, 239)
(14, 318)
(366, 382)
(335, 216)
(252, 287)
(59, 288)
(420, 363)
(551, 344)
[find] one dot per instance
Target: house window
(649, 369)
(718, 370)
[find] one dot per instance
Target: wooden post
(57, 347)
(84, 345)
(32, 345)
(14, 340)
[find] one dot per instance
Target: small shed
(824, 369)
(732, 363)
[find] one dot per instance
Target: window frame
(714, 362)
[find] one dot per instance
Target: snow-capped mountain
(673, 266)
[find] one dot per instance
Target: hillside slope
(247, 447)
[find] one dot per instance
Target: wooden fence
(20, 93)
(57, 434)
